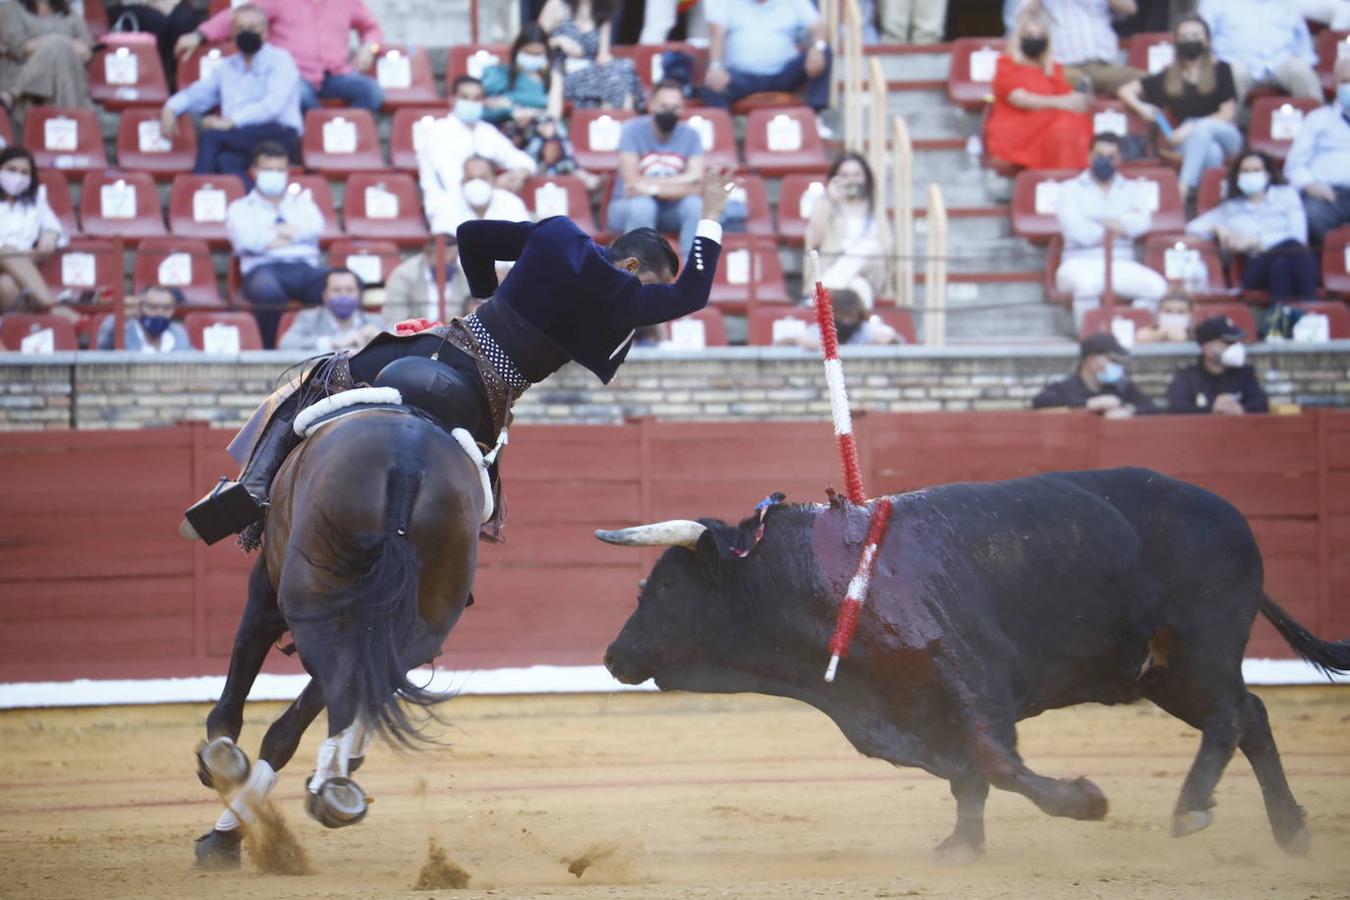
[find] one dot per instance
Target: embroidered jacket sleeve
(485, 242)
(653, 304)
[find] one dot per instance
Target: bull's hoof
(1091, 803)
(1190, 822)
(221, 765)
(339, 802)
(1298, 843)
(219, 849)
(956, 852)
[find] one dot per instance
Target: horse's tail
(1328, 656)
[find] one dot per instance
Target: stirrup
(226, 510)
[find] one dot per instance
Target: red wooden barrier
(95, 582)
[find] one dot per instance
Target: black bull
(991, 603)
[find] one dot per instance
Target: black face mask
(666, 120)
(846, 330)
(1190, 50)
(1033, 47)
(248, 42)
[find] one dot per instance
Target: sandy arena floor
(667, 796)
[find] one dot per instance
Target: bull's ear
(709, 554)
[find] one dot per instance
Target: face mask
(271, 182)
(531, 62)
(155, 325)
(248, 42)
(468, 111)
(478, 192)
(15, 183)
(1174, 321)
(846, 330)
(1111, 373)
(1033, 47)
(666, 120)
(1234, 356)
(343, 305)
(1252, 182)
(1103, 168)
(1343, 95)
(1190, 50)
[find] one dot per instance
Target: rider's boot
(233, 506)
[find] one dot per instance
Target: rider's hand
(717, 186)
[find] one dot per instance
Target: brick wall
(104, 390)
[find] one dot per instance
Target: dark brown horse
(368, 560)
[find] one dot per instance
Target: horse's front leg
(259, 627)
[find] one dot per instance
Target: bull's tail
(1327, 656)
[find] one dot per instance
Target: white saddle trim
(476, 456)
(306, 418)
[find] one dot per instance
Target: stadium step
(928, 114)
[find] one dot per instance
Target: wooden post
(829, 11)
(119, 310)
(935, 286)
(902, 151)
(876, 127)
(853, 93)
(473, 21)
(438, 273)
(1109, 292)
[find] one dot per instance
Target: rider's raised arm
(653, 304)
(485, 242)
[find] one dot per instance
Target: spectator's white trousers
(659, 18)
(1085, 280)
(1294, 76)
(1335, 13)
(912, 21)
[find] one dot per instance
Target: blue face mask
(271, 182)
(1343, 96)
(468, 111)
(344, 305)
(1103, 168)
(155, 325)
(1111, 373)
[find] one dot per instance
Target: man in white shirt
(1319, 160)
(766, 45)
(1266, 42)
(1096, 206)
(476, 198)
(446, 143)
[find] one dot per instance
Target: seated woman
(579, 32)
(1172, 323)
(167, 20)
(1263, 218)
(44, 46)
(1197, 96)
(1037, 121)
(29, 233)
(852, 239)
(525, 88)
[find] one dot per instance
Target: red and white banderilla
(847, 618)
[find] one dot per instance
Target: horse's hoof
(1298, 843)
(956, 853)
(338, 803)
(221, 764)
(219, 849)
(1190, 822)
(1094, 806)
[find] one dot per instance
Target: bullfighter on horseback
(566, 299)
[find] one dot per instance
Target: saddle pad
(325, 410)
(470, 446)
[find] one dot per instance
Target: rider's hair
(650, 250)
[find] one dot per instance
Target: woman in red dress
(1038, 121)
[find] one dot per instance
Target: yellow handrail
(902, 190)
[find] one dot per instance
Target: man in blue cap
(1099, 383)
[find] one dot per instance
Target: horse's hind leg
(1258, 745)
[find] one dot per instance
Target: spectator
(1266, 42)
(1221, 382)
(44, 46)
(551, 149)
(1099, 384)
(167, 20)
(524, 89)
(29, 233)
(1097, 206)
(275, 234)
(1196, 92)
(755, 48)
(580, 32)
(1319, 160)
(913, 21)
(410, 291)
(317, 36)
(149, 327)
(660, 170)
(339, 323)
(658, 21)
(1263, 219)
(258, 92)
(476, 198)
(449, 141)
(1084, 42)
(853, 323)
(853, 241)
(1172, 324)
(1036, 121)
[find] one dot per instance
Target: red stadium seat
(86, 264)
(712, 323)
(1170, 255)
(1113, 117)
(372, 261)
(126, 71)
(385, 206)
(1331, 46)
(95, 18)
(322, 192)
(561, 195)
(285, 323)
(1336, 261)
(765, 100)
(198, 204)
(59, 199)
(338, 141)
(901, 320)
(717, 133)
(472, 59)
(6, 127)
(66, 138)
(1035, 202)
(1151, 51)
(201, 61)
(1211, 190)
(1240, 313)
(1275, 121)
(595, 137)
(752, 193)
(402, 134)
(182, 263)
(141, 146)
(797, 196)
(120, 204)
(747, 262)
(1095, 321)
(247, 327)
(970, 83)
(405, 74)
(1335, 311)
(783, 142)
(1169, 214)
(17, 326)
(647, 60)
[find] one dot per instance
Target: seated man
(566, 300)
(477, 197)
(149, 326)
(1221, 382)
(275, 234)
(1084, 42)
(1266, 42)
(410, 290)
(854, 325)
(339, 324)
(258, 93)
(754, 48)
(1098, 205)
(1098, 384)
(1319, 161)
(317, 36)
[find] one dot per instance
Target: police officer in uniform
(1220, 382)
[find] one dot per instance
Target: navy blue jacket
(564, 285)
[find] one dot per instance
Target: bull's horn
(675, 533)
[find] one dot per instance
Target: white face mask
(478, 192)
(1252, 182)
(468, 111)
(14, 183)
(1174, 321)
(272, 182)
(531, 62)
(1234, 356)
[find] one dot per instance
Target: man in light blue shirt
(258, 93)
(756, 45)
(1319, 160)
(1266, 42)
